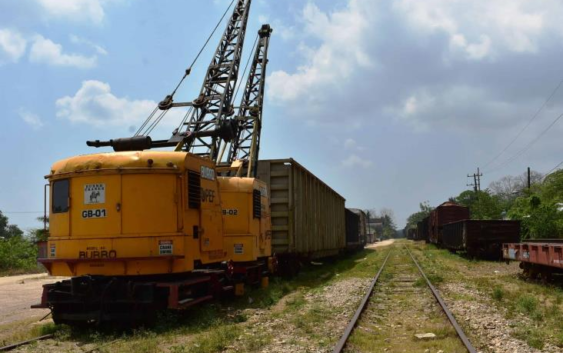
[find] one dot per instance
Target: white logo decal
(207, 173)
(165, 247)
(94, 194)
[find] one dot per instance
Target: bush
(17, 253)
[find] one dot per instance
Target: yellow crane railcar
(138, 231)
(142, 231)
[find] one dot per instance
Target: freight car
(422, 230)
(480, 238)
(537, 257)
(308, 218)
(446, 213)
(352, 230)
(360, 240)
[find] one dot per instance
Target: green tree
(17, 252)
(540, 220)
(7, 230)
(482, 205)
(424, 212)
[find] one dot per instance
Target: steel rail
(23, 343)
(445, 309)
(352, 324)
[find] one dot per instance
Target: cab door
(211, 237)
(59, 219)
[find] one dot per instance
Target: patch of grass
(498, 294)
(435, 278)
(527, 304)
(216, 340)
(534, 337)
(296, 302)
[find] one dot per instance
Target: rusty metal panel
(482, 238)
(446, 213)
(307, 215)
(362, 226)
(540, 252)
(422, 229)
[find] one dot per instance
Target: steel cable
(526, 126)
(527, 147)
(187, 72)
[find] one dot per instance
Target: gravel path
(487, 323)
(18, 293)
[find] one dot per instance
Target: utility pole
(476, 180)
(529, 179)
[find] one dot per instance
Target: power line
(554, 169)
(526, 126)
(527, 147)
(21, 211)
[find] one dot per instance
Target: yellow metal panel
(149, 203)
(110, 222)
(241, 248)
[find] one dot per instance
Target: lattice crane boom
(208, 121)
(246, 145)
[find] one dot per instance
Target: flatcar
(480, 238)
(538, 258)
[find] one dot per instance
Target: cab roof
(122, 160)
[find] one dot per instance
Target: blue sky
(390, 102)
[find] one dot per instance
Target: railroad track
(26, 342)
(44, 337)
(396, 289)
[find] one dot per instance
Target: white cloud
(339, 55)
(75, 10)
(355, 161)
(512, 25)
(30, 118)
(79, 40)
(46, 51)
(415, 106)
(351, 144)
(12, 46)
(95, 104)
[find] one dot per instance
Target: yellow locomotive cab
(150, 213)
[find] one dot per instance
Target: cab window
(60, 196)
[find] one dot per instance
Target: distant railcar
(353, 239)
(411, 233)
(422, 229)
(480, 238)
(447, 212)
(308, 218)
(362, 226)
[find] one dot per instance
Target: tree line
(18, 251)
(539, 208)
(382, 223)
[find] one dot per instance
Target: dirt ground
(18, 293)
(381, 244)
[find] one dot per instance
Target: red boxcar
(447, 212)
(536, 256)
